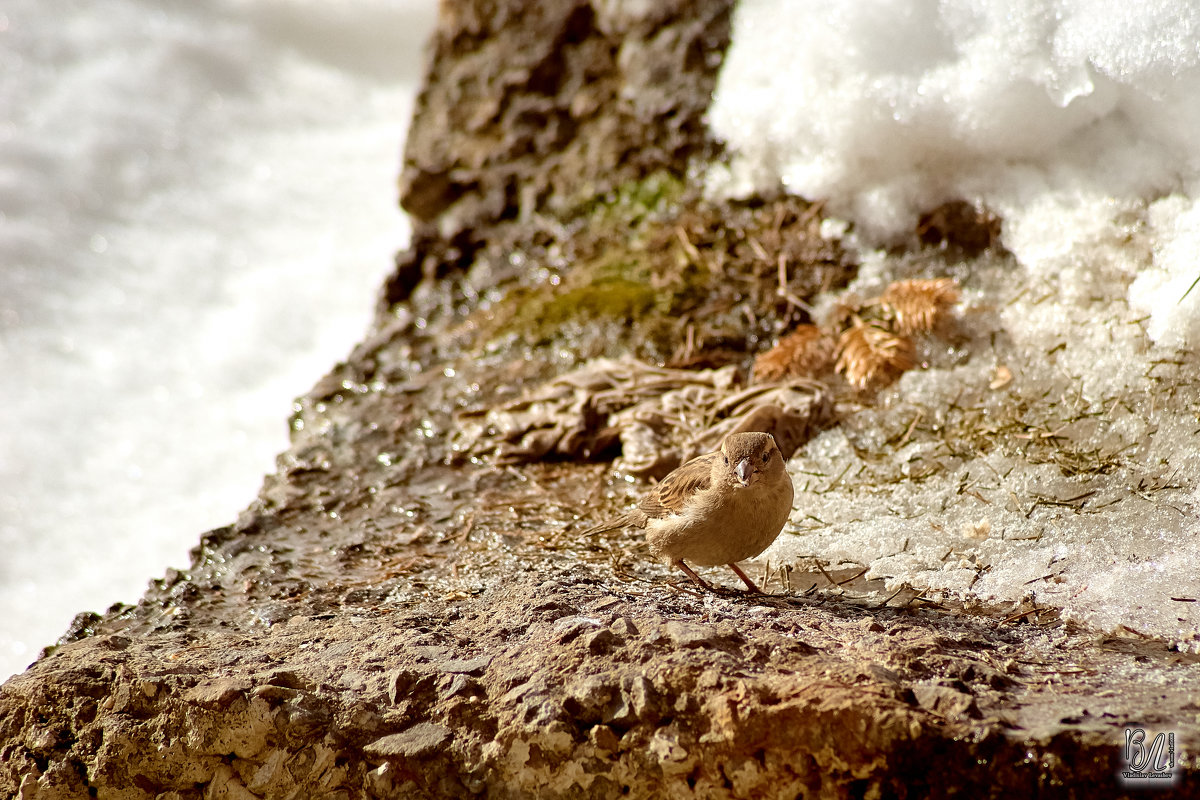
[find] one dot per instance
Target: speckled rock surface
(557, 683)
(392, 618)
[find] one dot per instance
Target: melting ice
(1076, 122)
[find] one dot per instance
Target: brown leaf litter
(660, 417)
(872, 342)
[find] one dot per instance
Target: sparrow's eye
(766, 456)
(726, 459)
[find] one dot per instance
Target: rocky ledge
(560, 681)
(399, 616)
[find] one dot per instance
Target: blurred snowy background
(197, 206)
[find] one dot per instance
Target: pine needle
(1189, 289)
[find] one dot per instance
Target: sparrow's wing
(673, 492)
(667, 497)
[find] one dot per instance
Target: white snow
(1060, 116)
(197, 206)
(1076, 121)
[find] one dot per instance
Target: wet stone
(634, 702)
(570, 628)
(686, 635)
(882, 673)
(601, 641)
(603, 738)
(455, 685)
(403, 683)
(591, 695)
(218, 693)
(433, 653)
(945, 700)
(466, 666)
(420, 740)
(288, 678)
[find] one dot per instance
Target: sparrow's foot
(718, 590)
(691, 574)
(746, 579)
(685, 586)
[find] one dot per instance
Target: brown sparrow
(718, 508)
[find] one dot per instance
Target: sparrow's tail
(611, 525)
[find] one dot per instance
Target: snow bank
(1076, 121)
(1060, 116)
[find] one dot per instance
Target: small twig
(785, 576)
(1024, 290)
(687, 588)
(758, 249)
(786, 293)
(1189, 290)
(922, 598)
(466, 531)
(854, 577)
(1018, 615)
(911, 427)
(891, 597)
(688, 248)
(811, 212)
(836, 480)
(1044, 577)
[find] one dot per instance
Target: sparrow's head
(747, 457)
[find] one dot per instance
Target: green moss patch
(654, 269)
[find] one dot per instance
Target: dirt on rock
(382, 624)
(559, 682)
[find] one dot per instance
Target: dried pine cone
(868, 355)
(917, 306)
(804, 352)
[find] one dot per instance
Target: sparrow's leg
(679, 563)
(746, 579)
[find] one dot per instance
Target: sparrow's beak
(743, 471)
